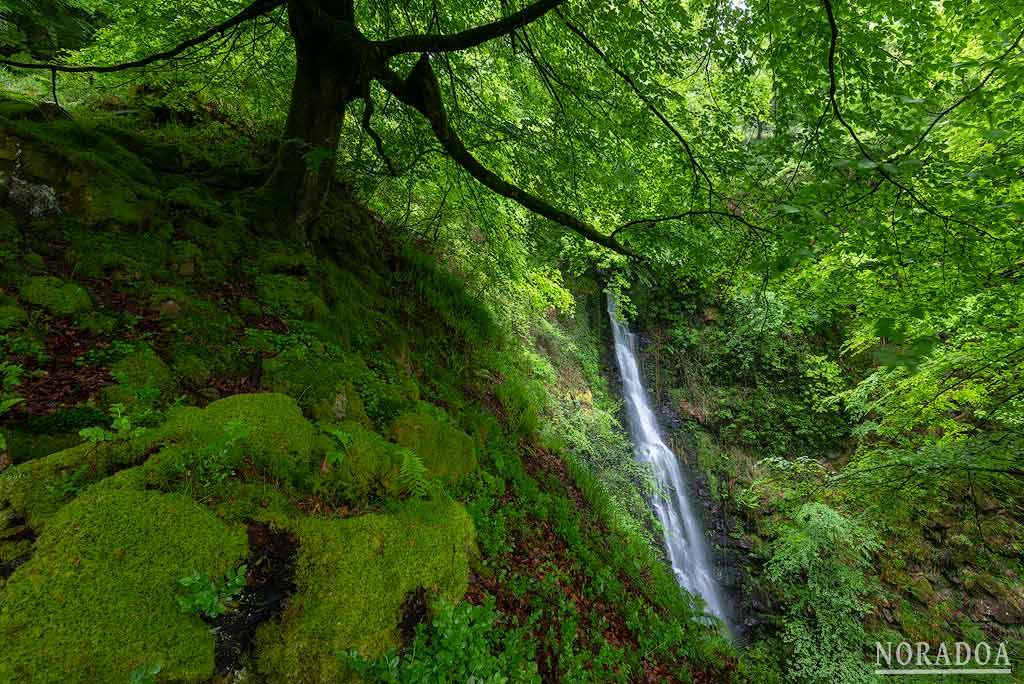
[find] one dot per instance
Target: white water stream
(684, 535)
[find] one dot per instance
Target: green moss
(11, 315)
(445, 450)
(323, 386)
(55, 295)
(236, 501)
(353, 576)
(11, 550)
(98, 598)
(143, 379)
(278, 443)
(26, 446)
(201, 329)
(192, 369)
(368, 469)
(290, 297)
(130, 258)
(39, 488)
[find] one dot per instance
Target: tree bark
(327, 78)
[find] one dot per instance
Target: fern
(413, 475)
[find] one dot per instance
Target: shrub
(465, 643)
(818, 565)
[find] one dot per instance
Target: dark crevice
(270, 583)
(17, 530)
(415, 611)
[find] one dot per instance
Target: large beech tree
(336, 64)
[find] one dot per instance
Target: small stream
(685, 541)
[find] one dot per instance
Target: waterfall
(684, 534)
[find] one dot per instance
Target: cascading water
(684, 534)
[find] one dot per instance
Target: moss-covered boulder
(58, 297)
(97, 600)
(323, 386)
(38, 488)
(263, 433)
(290, 297)
(446, 451)
(366, 467)
(353, 577)
(142, 379)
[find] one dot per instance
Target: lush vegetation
(305, 362)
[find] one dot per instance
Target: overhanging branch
(837, 112)
(421, 92)
(469, 38)
(256, 9)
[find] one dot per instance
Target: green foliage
(363, 468)
(143, 380)
(206, 596)
(413, 475)
(463, 643)
(212, 462)
(818, 564)
(202, 446)
(122, 428)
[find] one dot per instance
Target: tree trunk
(326, 80)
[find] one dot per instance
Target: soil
(270, 583)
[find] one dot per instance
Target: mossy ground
(293, 386)
(98, 597)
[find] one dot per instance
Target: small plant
(206, 596)
(413, 475)
(215, 462)
(465, 643)
(71, 485)
(146, 674)
(123, 428)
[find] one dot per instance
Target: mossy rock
(143, 379)
(322, 386)
(55, 295)
(446, 451)
(278, 441)
(97, 599)
(39, 488)
(369, 469)
(129, 257)
(353, 576)
(290, 297)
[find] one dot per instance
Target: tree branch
(698, 170)
(256, 9)
(368, 110)
(945, 112)
(687, 214)
(420, 91)
(834, 102)
(470, 37)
